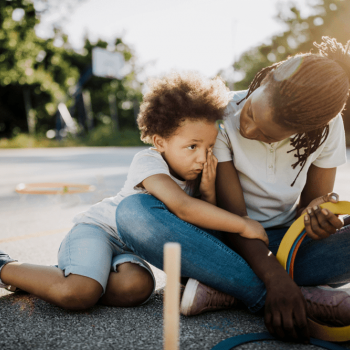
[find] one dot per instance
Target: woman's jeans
(145, 225)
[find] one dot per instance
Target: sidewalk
(33, 227)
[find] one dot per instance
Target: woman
(290, 111)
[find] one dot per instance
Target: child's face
(186, 151)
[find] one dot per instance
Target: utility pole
(233, 31)
(114, 111)
(29, 112)
(88, 109)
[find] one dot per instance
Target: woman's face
(256, 120)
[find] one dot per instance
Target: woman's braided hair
(306, 92)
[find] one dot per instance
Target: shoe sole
(188, 296)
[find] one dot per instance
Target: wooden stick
(172, 260)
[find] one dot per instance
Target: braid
(309, 141)
(307, 91)
(259, 77)
(335, 51)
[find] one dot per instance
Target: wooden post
(172, 261)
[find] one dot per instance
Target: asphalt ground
(32, 228)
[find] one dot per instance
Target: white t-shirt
(264, 169)
(144, 164)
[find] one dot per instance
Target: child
(178, 116)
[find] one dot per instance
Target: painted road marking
(34, 235)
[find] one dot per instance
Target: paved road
(32, 227)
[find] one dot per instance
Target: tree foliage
(329, 18)
(45, 72)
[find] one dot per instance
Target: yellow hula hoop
(335, 334)
(53, 188)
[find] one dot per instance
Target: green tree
(127, 90)
(329, 18)
(42, 73)
(30, 67)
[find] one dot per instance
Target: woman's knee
(137, 206)
(79, 293)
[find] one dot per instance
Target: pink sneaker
(198, 298)
(328, 306)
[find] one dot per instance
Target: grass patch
(105, 136)
(101, 136)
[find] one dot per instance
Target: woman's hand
(254, 230)
(207, 185)
(321, 223)
(285, 309)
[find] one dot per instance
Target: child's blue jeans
(145, 225)
(88, 250)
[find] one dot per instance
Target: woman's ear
(158, 143)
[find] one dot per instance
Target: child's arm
(207, 185)
(199, 212)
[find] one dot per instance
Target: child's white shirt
(265, 170)
(144, 164)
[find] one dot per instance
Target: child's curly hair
(177, 97)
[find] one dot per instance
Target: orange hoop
(53, 188)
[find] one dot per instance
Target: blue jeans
(88, 250)
(145, 225)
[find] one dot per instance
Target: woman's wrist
(299, 212)
(274, 276)
(261, 260)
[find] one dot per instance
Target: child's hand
(254, 230)
(207, 185)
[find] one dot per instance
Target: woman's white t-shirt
(144, 164)
(265, 170)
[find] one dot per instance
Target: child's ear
(158, 143)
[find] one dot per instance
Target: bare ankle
(5, 272)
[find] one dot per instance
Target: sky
(202, 35)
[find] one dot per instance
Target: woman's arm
(285, 314)
(229, 193)
(199, 212)
(319, 182)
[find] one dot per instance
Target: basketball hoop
(53, 188)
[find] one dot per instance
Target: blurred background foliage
(329, 18)
(36, 74)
